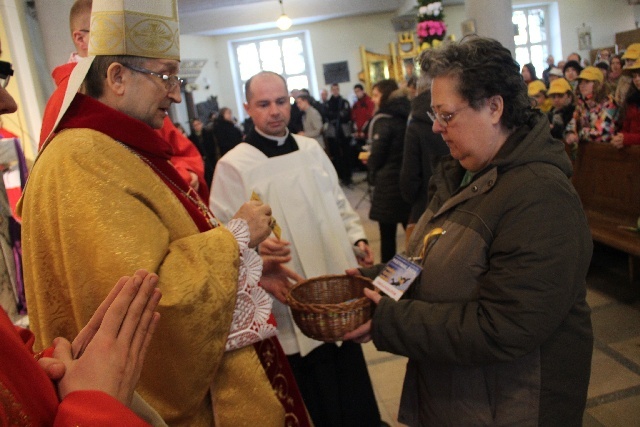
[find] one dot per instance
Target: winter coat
(631, 123)
(386, 136)
(594, 121)
(423, 149)
(496, 328)
(559, 120)
(227, 135)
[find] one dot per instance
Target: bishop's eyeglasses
(170, 82)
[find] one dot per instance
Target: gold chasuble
(95, 209)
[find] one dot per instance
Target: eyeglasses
(170, 82)
(6, 71)
(444, 119)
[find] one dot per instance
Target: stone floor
(614, 390)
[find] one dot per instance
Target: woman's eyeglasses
(444, 118)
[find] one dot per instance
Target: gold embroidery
(16, 416)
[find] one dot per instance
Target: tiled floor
(614, 390)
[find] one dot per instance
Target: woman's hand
(362, 334)
(618, 140)
(258, 217)
(571, 138)
(110, 350)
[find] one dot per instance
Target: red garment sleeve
(95, 408)
(61, 77)
(186, 157)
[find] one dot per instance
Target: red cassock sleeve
(95, 408)
(61, 77)
(186, 157)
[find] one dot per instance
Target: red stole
(86, 112)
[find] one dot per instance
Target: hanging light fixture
(284, 22)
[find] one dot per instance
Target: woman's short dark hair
(97, 74)
(572, 64)
(306, 98)
(385, 87)
(483, 68)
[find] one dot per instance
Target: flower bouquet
(431, 28)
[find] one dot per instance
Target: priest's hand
(110, 351)
(275, 250)
(278, 279)
(364, 254)
(258, 217)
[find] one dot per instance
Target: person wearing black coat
(205, 142)
(423, 149)
(225, 131)
(386, 136)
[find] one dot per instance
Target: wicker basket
(325, 308)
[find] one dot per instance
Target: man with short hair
(293, 174)
(361, 112)
(103, 198)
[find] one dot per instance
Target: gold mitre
(147, 28)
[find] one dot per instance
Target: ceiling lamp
(284, 22)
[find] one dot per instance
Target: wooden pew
(608, 182)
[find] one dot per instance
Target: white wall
(331, 41)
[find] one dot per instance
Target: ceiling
(218, 17)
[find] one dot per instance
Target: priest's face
(268, 104)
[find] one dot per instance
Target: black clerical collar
(280, 140)
(272, 146)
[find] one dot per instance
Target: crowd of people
(220, 222)
(589, 102)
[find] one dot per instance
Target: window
(531, 39)
(286, 55)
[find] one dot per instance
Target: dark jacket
(386, 136)
(227, 135)
(338, 114)
(559, 120)
(497, 328)
(423, 149)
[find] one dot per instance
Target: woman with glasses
(386, 135)
(496, 328)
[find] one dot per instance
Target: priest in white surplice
(293, 174)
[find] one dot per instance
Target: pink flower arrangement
(428, 29)
(431, 28)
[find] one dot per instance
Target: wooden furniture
(379, 66)
(608, 182)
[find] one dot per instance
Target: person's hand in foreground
(258, 217)
(108, 354)
(362, 334)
